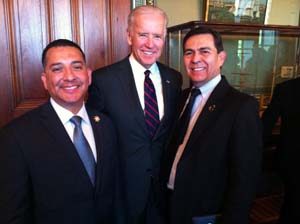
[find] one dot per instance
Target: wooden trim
(238, 28)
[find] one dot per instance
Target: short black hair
(60, 43)
(205, 30)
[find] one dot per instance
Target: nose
(68, 74)
(196, 58)
(149, 42)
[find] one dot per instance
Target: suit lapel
(172, 147)
(209, 114)
(125, 76)
(97, 127)
(61, 139)
(55, 128)
(165, 82)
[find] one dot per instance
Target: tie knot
(76, 120)
(147, 73)
(195, 92)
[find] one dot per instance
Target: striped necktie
(151, 107)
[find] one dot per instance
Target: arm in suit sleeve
(15, 201)
(120, 214)
(271, 114)
(245, 155)
(113, 172)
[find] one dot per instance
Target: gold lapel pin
(96, 119)
(211, 108)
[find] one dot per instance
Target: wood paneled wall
(26, 26)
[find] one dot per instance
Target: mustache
(68, 83)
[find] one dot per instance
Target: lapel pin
(96, 119)
(211, 108)
(168, 81)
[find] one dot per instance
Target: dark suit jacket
(285, 104)
(42, 178)
(113, 91)
(220, 165)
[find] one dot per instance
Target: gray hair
(145, 9)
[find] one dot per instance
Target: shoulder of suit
(107, 69)
(289, 88)
(290, 83)
(169, 69)
(27, 119)
(236, 96)
(171, 74)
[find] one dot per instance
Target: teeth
(197, 69)
(148, 52)
(70, 87)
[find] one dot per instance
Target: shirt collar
(210, 85)
(136, 66)
(65, 115)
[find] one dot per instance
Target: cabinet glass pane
(258, 56)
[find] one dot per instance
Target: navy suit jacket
(219, 168)
(42, 178)
(113, 91)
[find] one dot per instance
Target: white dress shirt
(199, 104)
(139, 77)
(65, 116)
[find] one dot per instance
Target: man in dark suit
(122, 91)
(212, 166)
(285, 105)
(44, 177)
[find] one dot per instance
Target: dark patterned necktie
(184, 120)
(151, 107)
(83, 148)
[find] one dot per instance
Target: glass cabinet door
(258, 56)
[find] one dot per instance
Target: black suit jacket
(285, 104)
(219, 168)
(42, 178)
(113, 91)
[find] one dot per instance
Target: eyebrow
(60, 63)
(55, 64)
(198, 49)
(204, 48)
(76, 62)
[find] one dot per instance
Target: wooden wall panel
(118, 20)
(60, 12)
(95, 40)
(6, 79)
(28, 25)
(26, 38)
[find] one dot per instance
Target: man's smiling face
(66, 77)
(201, 59)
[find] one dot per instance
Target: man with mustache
(58, 163)
(212, 161)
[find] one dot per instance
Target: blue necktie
(151, 107)
(83, 148)
(186, 115)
